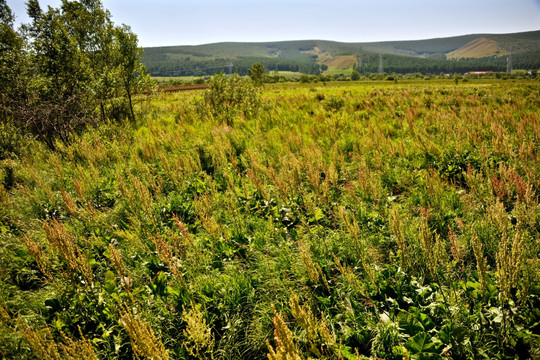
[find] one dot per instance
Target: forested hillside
(432, 56)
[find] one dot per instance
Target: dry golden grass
(144, 343)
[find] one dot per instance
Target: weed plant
(344, 221)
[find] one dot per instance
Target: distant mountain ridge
(487, 51)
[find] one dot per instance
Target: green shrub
(11, 141)
(334, 103)
(231, 97)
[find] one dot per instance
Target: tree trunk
(130, 103)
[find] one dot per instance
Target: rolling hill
(452, 54)
(478, 48)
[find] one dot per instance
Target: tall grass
(338, 221)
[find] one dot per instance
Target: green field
(166, 79)
(293, 221)
(191, 79)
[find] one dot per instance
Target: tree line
(162, 65)
(69, 67)
(408, 65)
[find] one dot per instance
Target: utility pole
(509, 63)
(381, 70)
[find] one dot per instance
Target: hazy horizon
(344, 42)
(170, 23)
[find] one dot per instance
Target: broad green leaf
(409, 324)
(419, 343)
(319, 215)
(110, 287)
(59, 324)
(173, 291)
(110, 282)
(426, 321)
(345, 351)
(400, 351)
(496, 315)
(446, 334)
(109, 276)
(492, 290)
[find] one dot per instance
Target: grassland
(340, 64)
(478, 48)
(346, 220)
(161, 80)
(172, 79)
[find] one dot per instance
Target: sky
(181, 22)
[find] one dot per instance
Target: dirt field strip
(183, 87)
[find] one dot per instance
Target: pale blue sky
(169, 22)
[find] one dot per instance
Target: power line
(509, 63)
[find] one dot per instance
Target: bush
(230, 97)
(10, 141)
(304, 79)
(54, 120)
(334, 103)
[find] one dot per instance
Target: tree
(355, 75)
(79, 67)
(132, 72)
(10, 59)
(9, 39)
(61, 89)
(12, 69)
(257, 73)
